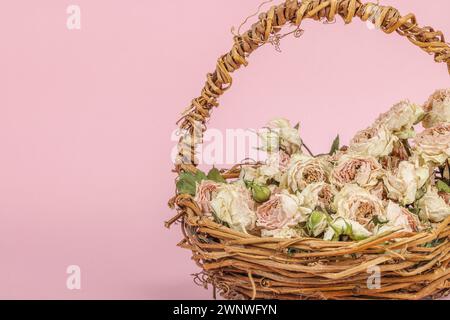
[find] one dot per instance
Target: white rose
(362, 170)
(304, 170)
(433, 144)
(318, 194)
(401, 118)
(289, 138)
(432, 207)
(232, 205)
(403, 184)
(374, 141)
(274, 168)
(346, 227)
(398, 218)
(358, 204)
(437, 108)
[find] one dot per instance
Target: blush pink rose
(282, 210)
(364, 171)
(205, 193)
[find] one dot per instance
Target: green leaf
(442, 186)
(214, 175)
(199, 176)
(335, 146)
(187, 182)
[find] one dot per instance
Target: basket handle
(292, 11)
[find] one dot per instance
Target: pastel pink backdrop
(86, 118)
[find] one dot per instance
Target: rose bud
(261, 193)
(317, 223)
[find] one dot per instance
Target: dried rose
(304, 170)
(206, 191)
(362, 170)
(401, 118)
(318, 194)
(282, 210)
(274, 168)
(281, 135)
(437, 108)
(433, 144)
(398, 218)
(233, 206)
(432, 207)
(403, 183)
(358, 204)
(374, 141)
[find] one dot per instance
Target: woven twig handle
(292, 11)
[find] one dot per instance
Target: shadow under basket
(243, 266)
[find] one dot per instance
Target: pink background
(86, 118)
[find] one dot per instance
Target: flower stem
(307, 149)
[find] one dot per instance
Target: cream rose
(400, 218)
(318, 194)
(433, 144)
(304, 170)
(233, 205)
(358, 204)
(403, 184)
(437, 109)
(274, 168)
(362, 170)
(281, 135)
(432, 207)
(375, 141)
(401, 118)
(282, 211)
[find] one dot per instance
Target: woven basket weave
(242, 266)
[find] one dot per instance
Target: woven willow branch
(294, 12)
(243, 266)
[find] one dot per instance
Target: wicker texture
(244, 266)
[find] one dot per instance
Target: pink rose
(284, 159)
(364, 171)
(283, 210)
(206, 191)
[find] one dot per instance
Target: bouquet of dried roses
(388, 178)
(302, 226)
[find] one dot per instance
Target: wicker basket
(242, 266)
